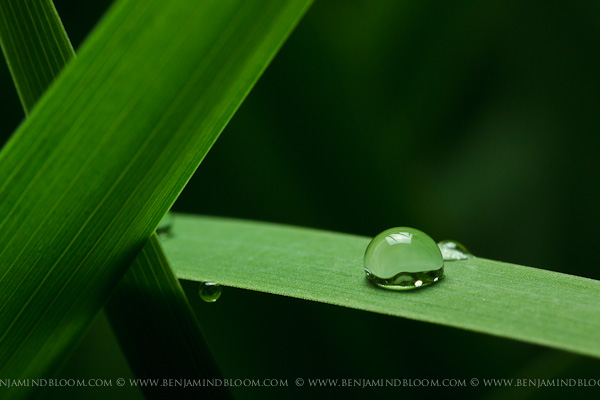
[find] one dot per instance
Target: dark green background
(470, 120)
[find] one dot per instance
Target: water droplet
(209, 291)
(165, 226)
(453, 251)
(403, 258)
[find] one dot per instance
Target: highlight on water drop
(209, 291)
(403, 258)
(453, 250)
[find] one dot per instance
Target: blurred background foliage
(470, 120)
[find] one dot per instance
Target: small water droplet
(209, 291)
(165, 226)
(453, 251)
(403, 258)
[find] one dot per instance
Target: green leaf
(35, 45)
(507, 300)
(148, 306)
(104, 154)
(157, 329)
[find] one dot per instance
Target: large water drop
(403, 258)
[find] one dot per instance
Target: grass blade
(35, 46)
(149, 310)
(86, 179)
(148, 306)
(528, 304)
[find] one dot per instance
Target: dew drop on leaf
(453, 251)
(209, 291)
(403, 258)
